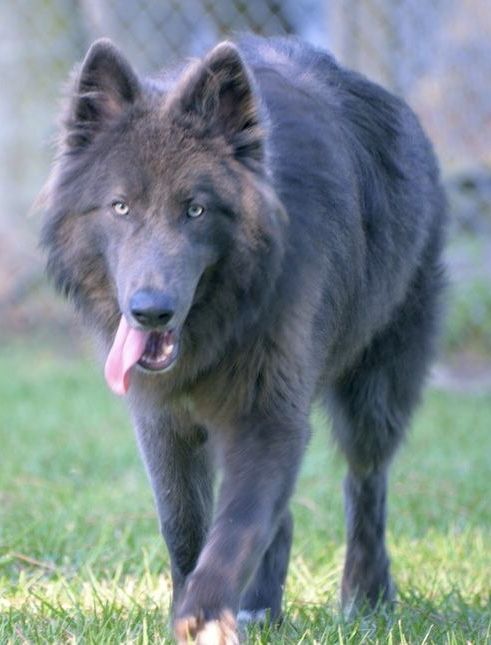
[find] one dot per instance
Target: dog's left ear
(220, 91)
(105, 86)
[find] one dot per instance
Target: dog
(247, 234)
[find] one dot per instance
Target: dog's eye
(195, 210)
(120, 207)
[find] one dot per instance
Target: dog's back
(358, 178)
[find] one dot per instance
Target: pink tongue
(127, 349)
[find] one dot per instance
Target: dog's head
(160, 211)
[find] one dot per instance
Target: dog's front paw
(217, 631)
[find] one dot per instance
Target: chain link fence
(436, 54)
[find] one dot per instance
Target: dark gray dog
(258, 230)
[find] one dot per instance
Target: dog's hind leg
(261, 601)
(177, 460)
(371, 406)
(366, 578)
(368, 431)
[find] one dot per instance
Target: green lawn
(81, 560)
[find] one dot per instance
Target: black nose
(151, 308)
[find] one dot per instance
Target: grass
(81, 560)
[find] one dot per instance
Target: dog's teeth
(168, 349)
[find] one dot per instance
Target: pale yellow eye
(195, 210)
(120, 207)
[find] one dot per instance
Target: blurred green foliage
(468, 322)
(468, 299)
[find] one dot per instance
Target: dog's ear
(105, 86)
(220, 91)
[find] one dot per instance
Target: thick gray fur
(314, 274)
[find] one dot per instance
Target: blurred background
(435, 54)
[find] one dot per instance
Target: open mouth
(152, 351)
(160, 353)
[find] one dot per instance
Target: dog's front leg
(260, 463)
(176, 455)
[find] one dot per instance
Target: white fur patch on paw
(222, 631)
(245, 617)
(215, 632)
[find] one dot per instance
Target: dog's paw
(361, 602)
(218, 631)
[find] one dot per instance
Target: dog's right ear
(219, 93)
(105, 86)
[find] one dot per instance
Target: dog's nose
(151, 308)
